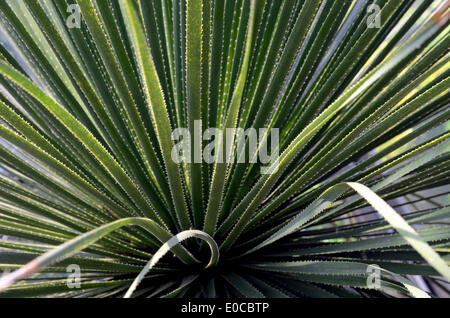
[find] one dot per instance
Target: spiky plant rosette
(353, 201)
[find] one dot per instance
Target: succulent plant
(349, 98)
